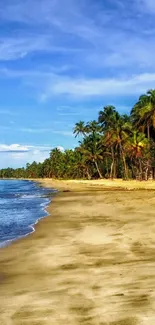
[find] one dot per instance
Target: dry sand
(91, 262)
(102, 184)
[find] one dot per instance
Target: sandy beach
(91, 261)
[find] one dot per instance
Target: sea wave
(23, 212)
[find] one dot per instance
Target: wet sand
(91, 262)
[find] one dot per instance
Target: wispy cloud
(110, 45)
(17, 148)
(79, 87)
(12, 48)
(80, 26)
(35, 130)
(64, 133)
(45, 130)
(85, 87)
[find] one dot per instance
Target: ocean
(22, 204)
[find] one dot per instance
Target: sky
(62, 61)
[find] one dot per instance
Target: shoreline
(32, 227)
(90, 261)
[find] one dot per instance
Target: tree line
(113, 146)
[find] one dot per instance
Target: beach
(91, 261)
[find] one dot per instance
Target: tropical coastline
(77, 162)
(91, 261)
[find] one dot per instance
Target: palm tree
(79, 129)
(92, 152)
(143, 116)
(116, 129)
(82, 163)
(93, 127)
(143, 112)
(137, 143)
(108, 118)
(136, 147)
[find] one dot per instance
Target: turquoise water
(22, 204)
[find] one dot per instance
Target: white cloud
(17, 155)
(61, 148)
(13, 148)
(23, 149)
(35, 130)
(21, 158)
(48, 85)
(85, 87)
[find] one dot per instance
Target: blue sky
(61, 61)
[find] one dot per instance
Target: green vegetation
(114, 146)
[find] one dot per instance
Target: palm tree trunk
(98, 170)
(88, 174)
(113, 167)
(146, 173)
(132, 170)
(124, 162)
(107, 169)
(140, 171)
(148, 162)
(148, 131)
(125, 166)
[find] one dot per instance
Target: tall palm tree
(116, 129)
(92, 151)
(108, 117)
(143, 112)
(136, 147)
(79, 129)
(82, 163)
(120, 134)
(143, 115)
